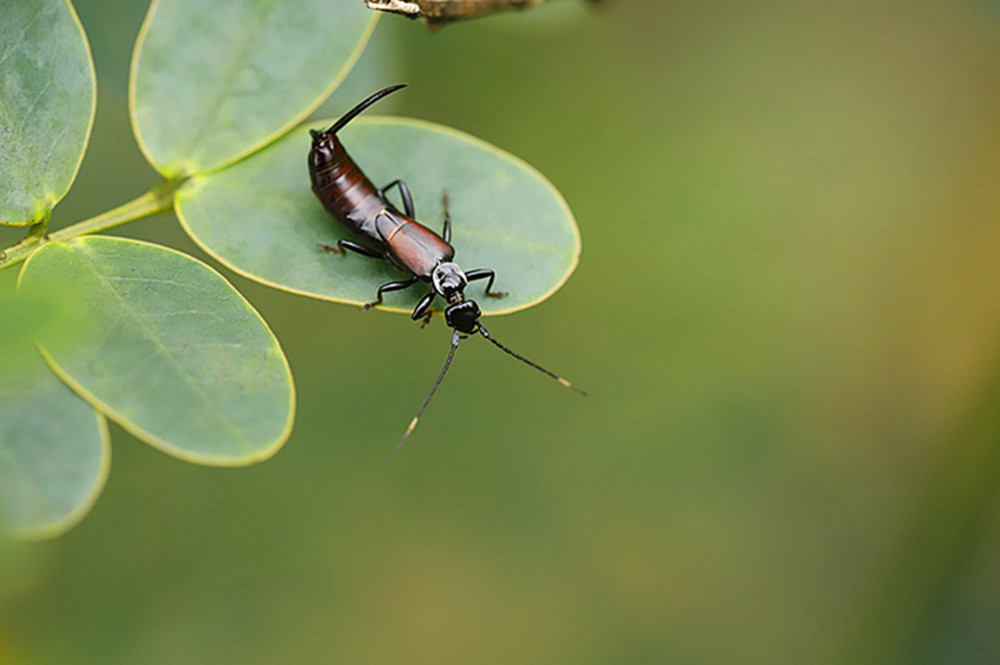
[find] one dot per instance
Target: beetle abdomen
(416, 247)
(345, 191)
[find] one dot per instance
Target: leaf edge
(58, 527)
(296, 120)
(444, 129)
(151, 439)
(86, 136)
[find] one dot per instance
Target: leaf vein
(218, 413)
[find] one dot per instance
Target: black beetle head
(463, 316)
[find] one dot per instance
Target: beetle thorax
(449, 281)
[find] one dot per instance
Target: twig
(436, 13)
(159, 199)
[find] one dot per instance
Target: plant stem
(158, 199)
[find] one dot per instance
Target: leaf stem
(158, 199)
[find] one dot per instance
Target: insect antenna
(485, 333)
(353, 113)
(413, 423)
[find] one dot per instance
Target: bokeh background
(786, 313)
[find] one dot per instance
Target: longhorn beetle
(408, 245)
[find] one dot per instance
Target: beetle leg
(483, 273)
(446, 234)
(351, 245)
(424, 309)
(404, 191)
(390, 286)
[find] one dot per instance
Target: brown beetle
(394, 236)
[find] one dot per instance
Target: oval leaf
(213, 81)
(167, 349)
(261, 218)
(27, 319)
(54, 451)
(47, 102)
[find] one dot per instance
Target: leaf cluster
(154, 339)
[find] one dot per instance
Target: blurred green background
(786, 313)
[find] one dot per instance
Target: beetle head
(463, 316)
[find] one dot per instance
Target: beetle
(396, 237)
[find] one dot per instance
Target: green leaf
(27, 319)
(213, 81)
(167, 349)
(22, 320)
(47, 102)
(54, 451)
(261, 218)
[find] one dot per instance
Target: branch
(159, 199)
(436, 13)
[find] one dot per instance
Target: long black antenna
(353, 113)
(413, 423)
(485, 333)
